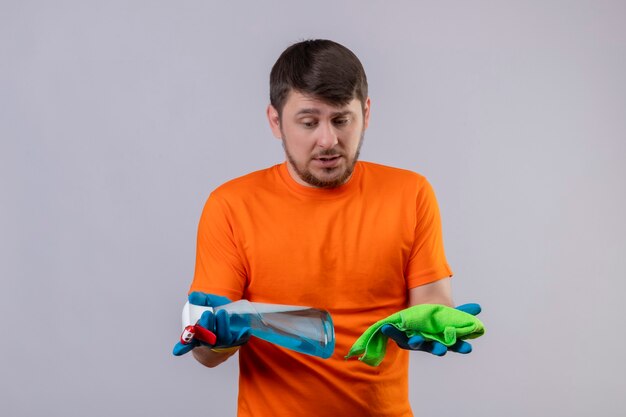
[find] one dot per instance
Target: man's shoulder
(249, 182)
(389, 174)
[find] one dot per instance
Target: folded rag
(432, 321)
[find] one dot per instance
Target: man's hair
(320, 68)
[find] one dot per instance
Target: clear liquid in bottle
(302, 329)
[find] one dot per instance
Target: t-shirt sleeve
(219, 267)
(427, 261)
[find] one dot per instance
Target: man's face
(321, 141)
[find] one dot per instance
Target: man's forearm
(211, 358)
(438, 292)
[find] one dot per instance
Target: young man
(325, 230)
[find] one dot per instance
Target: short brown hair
(321, 68)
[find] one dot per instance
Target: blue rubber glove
(418, 342)
(230, 330)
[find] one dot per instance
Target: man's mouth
(328, 158)
(327, 161)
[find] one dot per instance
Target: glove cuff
(232, 349)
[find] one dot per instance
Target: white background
(117, 118)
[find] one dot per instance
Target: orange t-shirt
(353, 250)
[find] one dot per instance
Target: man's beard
(307, 176)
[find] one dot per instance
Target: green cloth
(432, 321)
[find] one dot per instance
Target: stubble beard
(308, 177)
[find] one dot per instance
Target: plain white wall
(118, 118)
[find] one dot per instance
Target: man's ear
(274, 119)
(366, 113)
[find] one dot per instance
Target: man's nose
(327, 137)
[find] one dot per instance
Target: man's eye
(341, 122)
(309, 124)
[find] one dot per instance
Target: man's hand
(418, 342)
(229, 330)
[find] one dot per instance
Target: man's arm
(438, 292)
(212, 357)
